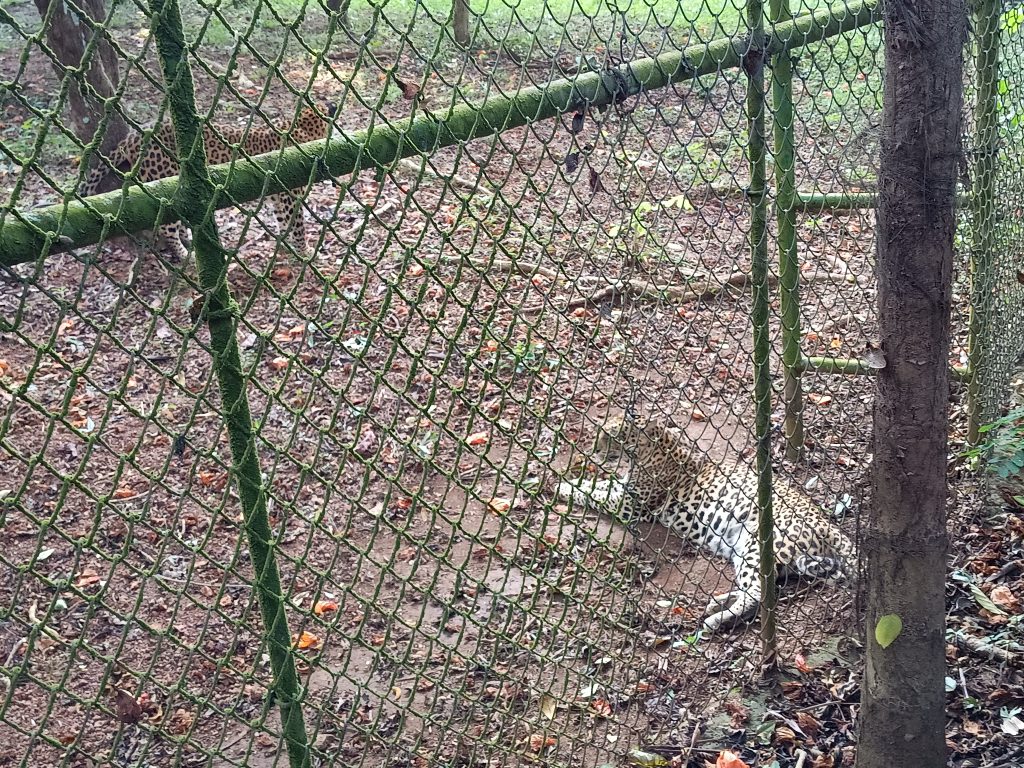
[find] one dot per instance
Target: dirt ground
(415, 395)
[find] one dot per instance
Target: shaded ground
(415, 396)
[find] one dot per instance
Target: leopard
(151, 156)
(711, 504)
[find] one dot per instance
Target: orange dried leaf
(87, 578)
(124, 492)
(4, 367)
(324, 606)
(601, 708)
(729, 759)
(477, 438)
(499, 506)
(1003, 596)
(306, 641)
(801, 663)
(540, 742)
(278, 364)
(207, 478)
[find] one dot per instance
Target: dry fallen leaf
(1003, 596)
(739, 714)
(729, 759)
(324, 606)
(87, 578)
(540, 742)
(126, 708)
(601, 708)
(808, 724)
(181, 721)
(124, 492)
(547, 706)
(409, 90)
(278, 363)
(784, 737)
(499, 506)
(307, 640)
(477, 438)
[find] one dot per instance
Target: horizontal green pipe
(807, 202)
(29, 235)
(854, 367)
(834, 201)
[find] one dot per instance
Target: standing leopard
(152, 156)
(712, 505)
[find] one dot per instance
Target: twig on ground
(636, 288)
(986, 650)
(639, 288)
(524, 268)
(467, 185)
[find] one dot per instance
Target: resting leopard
(712, 505)
(152, 158)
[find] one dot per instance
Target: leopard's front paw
(567, 490)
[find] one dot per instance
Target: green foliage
(1002, 445)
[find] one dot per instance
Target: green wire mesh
(458, 328)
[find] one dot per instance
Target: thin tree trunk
(460, 12)
(902, 718)
(69, 30)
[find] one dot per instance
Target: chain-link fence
(325, 477)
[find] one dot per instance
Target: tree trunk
(902, 718)
(70, 26)
(460, 12)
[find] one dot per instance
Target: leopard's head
(629, 437)
(311, 124)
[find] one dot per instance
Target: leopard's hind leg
(291, 225)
